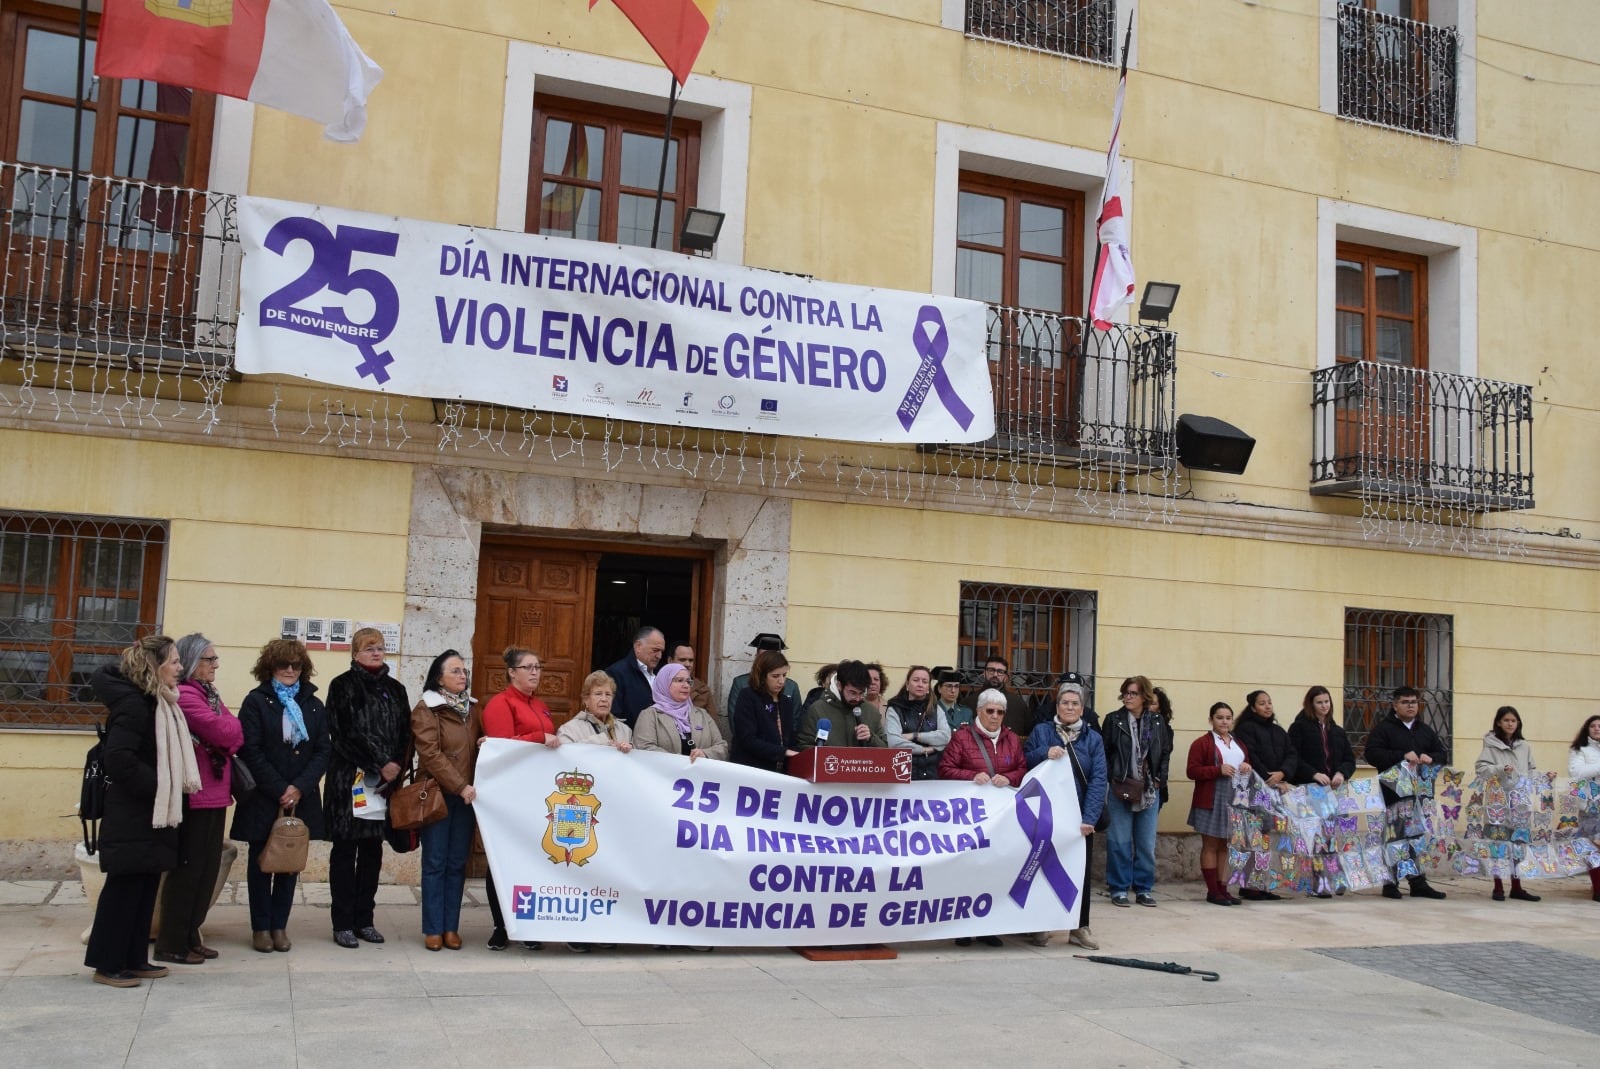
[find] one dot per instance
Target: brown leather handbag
(287, 844)
(416, 803)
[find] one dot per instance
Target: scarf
(1069, 732)
(176, 771)
(295, 729)
(461, 703)
(678, 711)
(992, 736)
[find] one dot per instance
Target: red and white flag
(1113, 273)
(293, 55)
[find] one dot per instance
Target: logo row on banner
(601, 846)
(428, 309)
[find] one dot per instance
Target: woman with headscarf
(286, 748)
(1068, 735)
(517, 713)
(672, 724)
(149, 762)
(187, 893)
(445, 729)
(369, 720)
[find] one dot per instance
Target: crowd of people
(176, 757)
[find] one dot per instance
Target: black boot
(1421, 889)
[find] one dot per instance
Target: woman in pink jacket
(187, 893)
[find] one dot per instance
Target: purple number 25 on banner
(329, 269)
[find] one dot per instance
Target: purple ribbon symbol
(1042, 857)
(932, 345)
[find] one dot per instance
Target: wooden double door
(543, 595)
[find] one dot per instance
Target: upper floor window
(1384, 650)
(1017, 250)
(1396, 68)
(74, 592)
(1381, 306)
(594, 172)
(130, 128)
(1085, 29)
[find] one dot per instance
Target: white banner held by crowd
(591, 845)
(561, 325)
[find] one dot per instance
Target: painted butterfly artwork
(1451, 812)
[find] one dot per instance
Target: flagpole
(1105, 194)
(74, 216)
(661, 179)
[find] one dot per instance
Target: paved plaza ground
(1357, 980)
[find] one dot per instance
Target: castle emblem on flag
(569, 836)
(197, 12)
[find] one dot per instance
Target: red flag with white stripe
(1113, 273)
(294, 55)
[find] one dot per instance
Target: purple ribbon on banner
(1042, 857)
(932, 347)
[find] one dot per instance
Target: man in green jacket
(852, 720)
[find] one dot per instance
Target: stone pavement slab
(1353, 980)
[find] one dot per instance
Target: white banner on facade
(595, 846)
(555, 324)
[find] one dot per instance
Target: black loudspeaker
(1207, 444)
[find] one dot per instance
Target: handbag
(287, 845)
(1128, 790)
(417, 804)
(242, 782)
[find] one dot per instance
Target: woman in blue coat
(1069, 736)
(286, 747)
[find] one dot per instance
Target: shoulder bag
(416, 804)
(241, 781)
(287, 844)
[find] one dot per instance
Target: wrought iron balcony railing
(1397, 72)
(1083, 29)
(1083, 396)
(123, 268)
(1400, 433)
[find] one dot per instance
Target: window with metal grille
(1083, 29)
(1040, 631)
(74, 592)
(1383, 650)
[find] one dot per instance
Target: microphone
(823, 728)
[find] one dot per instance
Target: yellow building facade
(1382, 274)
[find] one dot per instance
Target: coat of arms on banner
(572, 806)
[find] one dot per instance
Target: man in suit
(633, 674)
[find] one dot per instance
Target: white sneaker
(1082, 937)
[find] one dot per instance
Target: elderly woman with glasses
(1138, 741)
(446, 729)
(516, 713)
(990, 755)
(189, 889)
(286, 748)
(369, 719)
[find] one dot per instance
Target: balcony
(1397, 72)
(1381, 432)
(1082, 29)
(1077, 396)
(125, 269)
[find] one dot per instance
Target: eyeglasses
(293, 666)
(213, 659)
(526, 668)
(1135, 693)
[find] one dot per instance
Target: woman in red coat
(516, 713)
(987, 753)
(1214, 759)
